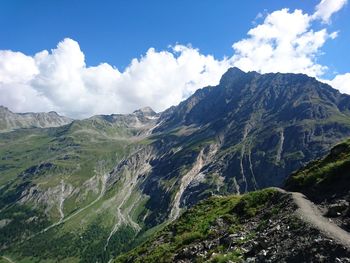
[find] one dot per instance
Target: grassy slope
(77, 152)
(322, 178)
(200, 223)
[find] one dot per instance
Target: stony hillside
(270, 225)
(10, 121)
(97, 187)
(261, 226)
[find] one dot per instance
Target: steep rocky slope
(98, 187)
(247, 133)
(10, 121)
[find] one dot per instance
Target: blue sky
(116, 32)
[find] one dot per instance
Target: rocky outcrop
(139, 122)
(49, 199)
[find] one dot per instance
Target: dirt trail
(309, 213)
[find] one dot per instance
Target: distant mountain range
(10, 121)
(99, 186)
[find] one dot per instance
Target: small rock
(336, 209)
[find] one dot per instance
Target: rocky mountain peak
(3, 108)
(234, 74)
(53, 113)
(145, 111)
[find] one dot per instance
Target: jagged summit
(234, 71)
(291, 96)
(146, 111)
(234, 74)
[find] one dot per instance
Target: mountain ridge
(10, 121)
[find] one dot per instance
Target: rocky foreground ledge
(271, 225)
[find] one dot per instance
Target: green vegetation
(88, 246)
(204, 221)
(75, 151)
(326, 174)
(226, 258)
(20, 221)
(43, 158)
(251, 203)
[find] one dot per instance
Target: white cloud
(16, 72)
(59, 79)
(341, 83)
(285, 42)
(326, 8)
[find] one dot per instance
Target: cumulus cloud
(326, 8)
(284, 42)
(341, 83)
(287, 42)
(60, 80)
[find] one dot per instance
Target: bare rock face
(146, 112)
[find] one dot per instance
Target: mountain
(10, 121)
(97, 187)
(249, 132)
(52, 179)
